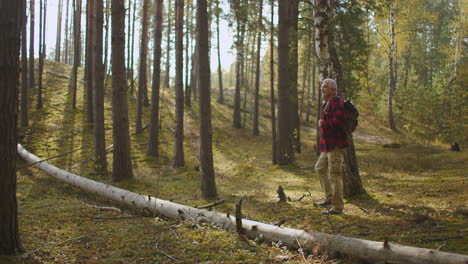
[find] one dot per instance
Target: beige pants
(330, 173)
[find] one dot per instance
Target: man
(333, 142)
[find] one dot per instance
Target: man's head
(328, 88)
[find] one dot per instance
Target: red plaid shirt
(332, 132)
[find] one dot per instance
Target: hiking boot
(324, 204)
(331, 212)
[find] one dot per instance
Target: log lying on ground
(372, 251)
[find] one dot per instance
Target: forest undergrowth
(416, 193)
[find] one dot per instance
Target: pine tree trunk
(132, 52)
(58, 41)
(31, 45)
(168, 47)
(237, 121)
(284, 118)
(274, 145)
(187, 57)
(129, 38)
(122, 165)
(89, 68)
(295, 133)
(41, 58)
(220, 71)
(179, 160)
(391, 75)
(257, 71)
(65, 53)
(208, 184)
(142, 79)
(76, 46)
(99, 72)
(24, 69)
(106, 42)
(11, 17)
(153, 146)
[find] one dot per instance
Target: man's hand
(320, 123)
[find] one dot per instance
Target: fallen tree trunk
(372, 251)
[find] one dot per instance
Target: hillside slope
(416, 193)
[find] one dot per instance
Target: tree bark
(274, 145)
(11, 18)
(208, 184)
(132, 52)
(284, 118)
(24, 68)
(122, 165)
(179, 160)
(370, 251)
(142, 80)
(257, 71)
(391, 73)
(42, 20)
(58, 41)
(98, 83)
(168, 47)
(237, 121)
(220, 71)
(295, 133)
(31, 44)
(89, 67)
(153, 146)
(76, 46)
(66, 45)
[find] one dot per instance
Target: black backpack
(351, 116)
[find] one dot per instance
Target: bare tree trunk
(106, 42)
(153, 146)
(257, 71)
(89, 70)
(179, 87)
(187, 57)
(168, 47)
(42, 19)
(295, 134)
(59, 32)
(285, 152)
(142, 80)
(129, 38)
(208, 184)
(122, 164)
(24, 68)
(31, 44)
(132, 64)
(66, 45)
(193, 78)
(274, 145)
(11, 18)
(237, 122)
(220, 71)
(391, 76)
(76, 46)
(99, 72)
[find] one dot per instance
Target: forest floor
(416, 193)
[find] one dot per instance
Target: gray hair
(330, 83)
